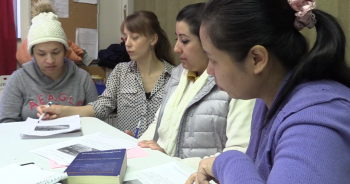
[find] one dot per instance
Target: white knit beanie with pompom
(45, 26)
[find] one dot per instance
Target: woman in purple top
(301, 121)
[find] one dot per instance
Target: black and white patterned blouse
(125, 95)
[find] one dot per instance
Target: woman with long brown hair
(134, 89)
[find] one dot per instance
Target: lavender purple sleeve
(311, 146)
(235, 167)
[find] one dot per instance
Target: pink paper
(136, 152)
(54, 165)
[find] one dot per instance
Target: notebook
(61, 127)
(29, 174)
(102, 167)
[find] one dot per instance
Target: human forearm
(83, 111)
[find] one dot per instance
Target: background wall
(109, 22)
(111, 15)
(166, 10)
(25, 19)
(25, 6)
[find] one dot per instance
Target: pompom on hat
(45, 26)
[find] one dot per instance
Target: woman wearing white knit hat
(49, 76)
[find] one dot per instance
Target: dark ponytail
(328, 52)
(236, 26)
(326, 60)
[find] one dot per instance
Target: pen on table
(137, 129)
(27, 163)
(42, 115)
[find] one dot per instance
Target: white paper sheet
(87, 39)
(64, 152)
(61, 7)
(169, 173)
(29, 174)
(86, 1)
(50, 127)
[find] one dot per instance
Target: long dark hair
(146, 23)
(236, 26)
(189, 14)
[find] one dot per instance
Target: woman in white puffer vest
(196, 119)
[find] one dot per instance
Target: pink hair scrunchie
(304, 15)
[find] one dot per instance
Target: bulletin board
(81, 15)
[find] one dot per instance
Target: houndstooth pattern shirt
(125, 95)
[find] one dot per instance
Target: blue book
(101, 167)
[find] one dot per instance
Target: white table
(13, 149)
